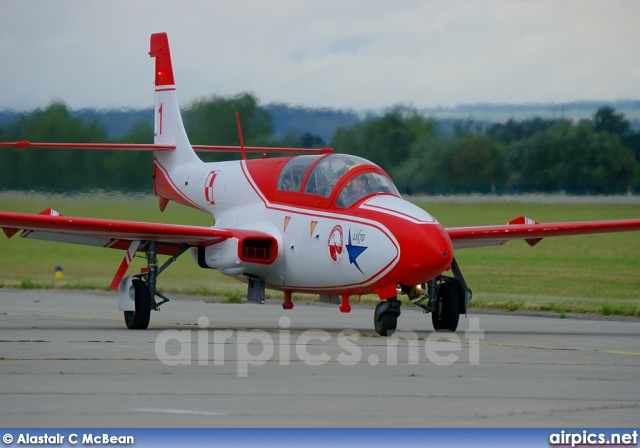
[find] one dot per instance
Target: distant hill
(325, 122)
(575, 111)
(300, 120)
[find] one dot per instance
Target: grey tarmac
(67, 359)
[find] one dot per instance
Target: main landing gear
(444, 297)
(143, 289)
(385, 317)
(139, 318)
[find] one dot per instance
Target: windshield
(364, 185)
(326, 173)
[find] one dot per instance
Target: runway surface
(67, 359)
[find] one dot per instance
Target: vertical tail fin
(168, 126)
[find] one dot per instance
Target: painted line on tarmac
(620, 352)
(178, 411)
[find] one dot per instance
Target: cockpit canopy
(323, 175)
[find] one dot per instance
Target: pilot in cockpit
(353, 191)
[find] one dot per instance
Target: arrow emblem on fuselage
(354, 252)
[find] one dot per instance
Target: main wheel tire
(139, 319)
(386, 323)
(447, 312)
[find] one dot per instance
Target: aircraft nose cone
(425, 249)
(426, 253)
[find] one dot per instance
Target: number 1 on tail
(160, 112)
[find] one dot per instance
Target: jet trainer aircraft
(319, 222)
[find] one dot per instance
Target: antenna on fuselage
(244, 155)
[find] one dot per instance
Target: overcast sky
(359, 54)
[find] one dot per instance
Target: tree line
(595, 156)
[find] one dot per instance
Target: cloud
(357, 54)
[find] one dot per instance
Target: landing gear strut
(143, 290)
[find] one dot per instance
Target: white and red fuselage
(303, 236)
(317, 246)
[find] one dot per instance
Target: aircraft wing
(51, 226)
(171, 239)
(532, 232)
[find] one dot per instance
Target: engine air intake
(258, 250)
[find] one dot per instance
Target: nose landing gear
(447, 298)
(445, 309)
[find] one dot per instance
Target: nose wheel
(446, 313)
(445, 298)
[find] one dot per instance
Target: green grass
(582, 274)
(234, 297)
